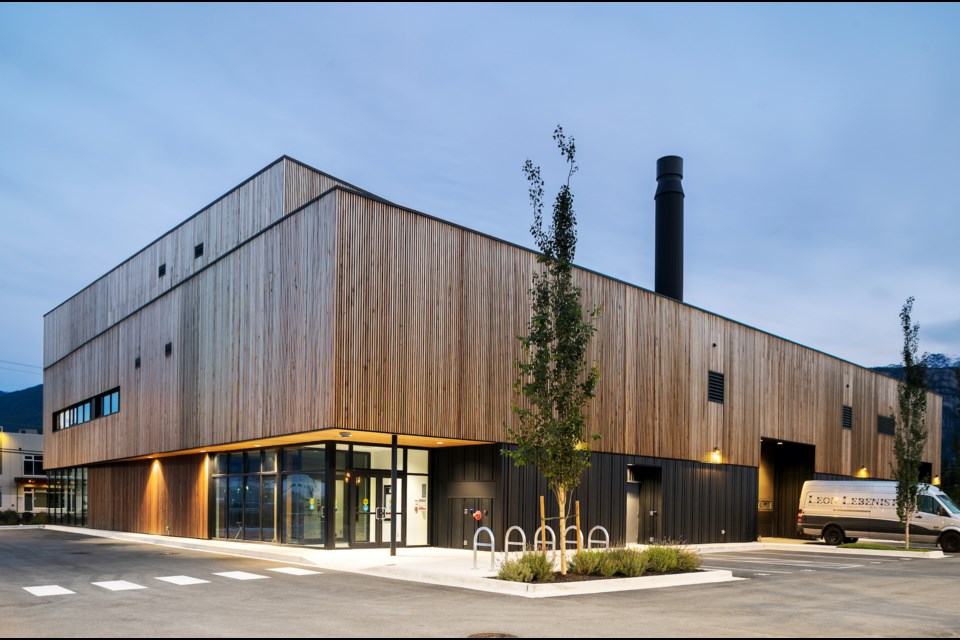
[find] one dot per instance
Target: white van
(845, 510)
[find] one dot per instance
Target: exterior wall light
(863, 473)
(936, 481)
(715, 457)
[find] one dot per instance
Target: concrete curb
(525, 590)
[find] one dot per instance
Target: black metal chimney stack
(669, 252)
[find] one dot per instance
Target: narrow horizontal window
(89, 410)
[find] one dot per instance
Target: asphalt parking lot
(120, 589)
(768, 563)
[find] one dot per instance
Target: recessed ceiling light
(345, 434)
(439, 441)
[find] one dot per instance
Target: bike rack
(591, 541)
(553, 539)
(507, 544)
(477, 544)
(579, 537)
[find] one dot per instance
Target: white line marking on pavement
(118, 585)
(49, 590)
(787, 563)
(241, 575)
(293, 571)
(741, 569)
(183, 580)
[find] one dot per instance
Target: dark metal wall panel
(699, 503)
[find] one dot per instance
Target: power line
(31, 373)
(21, 364)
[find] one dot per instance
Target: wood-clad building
(243, 376)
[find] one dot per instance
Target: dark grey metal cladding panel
(472, 489)
(456, 472)
(699, 503)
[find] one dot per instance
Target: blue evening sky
(821, 143)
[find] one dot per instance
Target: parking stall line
(743, 569)
(118, 585)
(294, 571)
(183, 580)
(241, 575)
(49, 590)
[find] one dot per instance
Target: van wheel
(850, 540)
(950, 542)
(833, 535)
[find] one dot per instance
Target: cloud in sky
(820, 143)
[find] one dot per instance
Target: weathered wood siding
(148, 496)
(252, 357)
(281, 188)
(353, 313)
(427, 319)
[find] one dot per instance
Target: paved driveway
(130, 589)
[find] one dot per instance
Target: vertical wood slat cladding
(252, 354)
(149, 496)
(357, 314)
(221, 227)
(281, 189)
(416, 354)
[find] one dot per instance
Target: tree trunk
(907, 533)
(562, 537)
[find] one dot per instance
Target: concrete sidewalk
(429, 565)
(454, 567)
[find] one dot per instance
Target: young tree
(553, 382)
(911, 433)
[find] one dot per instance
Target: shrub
(39, 518)
(660, 559)
(594, 563)
(530, 567)
(670, 560)
(629, 562)
(8, 517)
(687, 561)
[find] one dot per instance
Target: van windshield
(945, 499)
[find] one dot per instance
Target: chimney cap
(669, 165)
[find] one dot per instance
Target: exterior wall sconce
(715, 456)
(936, 481)
(863, 473)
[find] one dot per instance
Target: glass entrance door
(371, 499)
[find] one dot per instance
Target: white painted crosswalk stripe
(183, 580)
(118, 585)
(49, 590)
(294, 571)
(241, 575)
